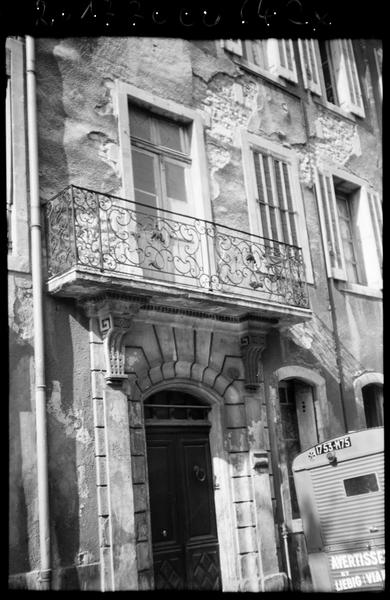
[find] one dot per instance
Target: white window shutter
(281, 60)
(369, 224)
(347, 80)
(234, 46)
(378, 63)
(330, 228)
(308, 55)
(375, 207)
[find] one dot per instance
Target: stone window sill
(360, 290)
(335, 109)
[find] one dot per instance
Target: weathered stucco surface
(78, 143)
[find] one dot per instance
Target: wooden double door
(184, 535)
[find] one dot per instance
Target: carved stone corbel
(115, 314)
(252, 347)
(113, 329)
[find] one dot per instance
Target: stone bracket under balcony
(98, 242)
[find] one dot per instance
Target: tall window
(160, 158)
(328, 72)
(351, 221)
(340, 73)
(275, 204)
(373, 404)
(275, 198)
(348, 236)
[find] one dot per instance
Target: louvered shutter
(378, 64)
(274, 196)
(308, 55)
(281, 59)
(376, 219)
(330, 228)
(234, 46)
(347, 80)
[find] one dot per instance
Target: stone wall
(78, 143)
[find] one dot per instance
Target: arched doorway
(372, 394)
(184, 534)
(298, 431)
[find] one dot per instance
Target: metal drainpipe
(39, 348)
(330, 284)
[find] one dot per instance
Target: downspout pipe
(330, 285)
(39, 346)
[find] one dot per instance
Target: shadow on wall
(62, 429)
(23, 525)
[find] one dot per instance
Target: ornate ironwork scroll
(102, 233)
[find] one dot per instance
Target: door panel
(163, 498)
(198, 489)
(185, 545)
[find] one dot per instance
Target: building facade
(210, 251)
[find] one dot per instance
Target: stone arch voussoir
(184, 374)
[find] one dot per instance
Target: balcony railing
(103, 234)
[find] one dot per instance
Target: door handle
(199, 473)
(164, 533)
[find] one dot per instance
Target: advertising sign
(363, 569)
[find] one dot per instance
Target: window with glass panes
(278, 218)
(328, 71)
(255, 52)
(160, 158)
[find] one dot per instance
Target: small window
(340, 73)
(348, 236)
(373, 404)
(328, 72)
(363, 484)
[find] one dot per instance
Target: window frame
(370, 265)
(18, 258)
(275, 71)
(340, 65)
(311, 85)
(125, 94)
(250, 141)
(162, 155)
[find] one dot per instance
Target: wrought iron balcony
(105, 240)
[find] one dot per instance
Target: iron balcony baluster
(159, 245)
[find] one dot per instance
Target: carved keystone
(115, 314)
(252, 347)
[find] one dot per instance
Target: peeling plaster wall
(71, 447)
(23, 515)
(78, 143)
